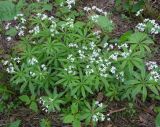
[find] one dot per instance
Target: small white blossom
(113, 70)
(43, 66)
(9, 38)
(139, 12)
(32, 61)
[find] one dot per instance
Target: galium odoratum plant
(61, 60)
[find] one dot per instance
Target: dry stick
(117, 110)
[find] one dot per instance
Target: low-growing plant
(64, 61)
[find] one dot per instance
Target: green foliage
(157, 121)
(29, 101)
(45, 123)
(105, 23)
(130, 6)
(63, 62)
(11, 32)
(141, 84)
(7, 10)
(15, 123)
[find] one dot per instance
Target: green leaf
(158, 120)
(31, 88)
(153, 89)
(136, 91)
(74, 108)
(11, 32)
(88, 89)
(83, 92)
(23, 87)
(34, 106)
(105, 23)
(144, 95)
(7, 10)
(15, 124)
(131, 82)
(137, 37)
(76, 123)
(125, 36)
(25, 99)
(47, 7)
(68, 119)
(20, 5)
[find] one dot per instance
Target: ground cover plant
(66, 62)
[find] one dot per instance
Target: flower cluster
(94, 8)
(70, 3)
(21, 26)
(149, 25)
(73, 45)
(139, 12)
(94, 18)
(70, 58)
(120, 76)
(69, 23)
(35, 30)
(99, 116)
(44, 104)
(89, 70)
(97, 33)
(32, 74)
(96, 63)
(8, 38)
(32, 61)
(43, 17)
(71, 69)
(43, 66)
(153, 68)
(10, 67)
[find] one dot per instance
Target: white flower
(5, 62)
(44, 16)
(105, 45)
(70, 69)
(139, 12)
(102, 117)
(108, 119)
(96, 102)
(70, 58)
(87, 9)
(100, 105)
(21, 33)
(32, 74)
(81, 54)
(95, 118)
(94, 7)
(114, 56)
(43, 66)
(113, 70)
(7, 26)
(32, 61)
(95, 18)
(36, 30)
(8, 38)
(23, 20)
(73, 45)
(141, 27)
(125, 54)
(92, 44)
(10, 69)
(70, 3)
